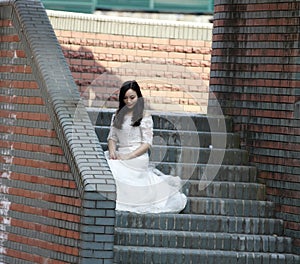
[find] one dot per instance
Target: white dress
(141, 188)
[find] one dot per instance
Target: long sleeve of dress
(112, 131)
(147, 129)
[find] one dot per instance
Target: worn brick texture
(171, 61)
(255, 77)
(57, 194)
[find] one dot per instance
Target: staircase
(227, 218)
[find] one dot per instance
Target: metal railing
(90, 6)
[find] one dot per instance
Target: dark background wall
(255, 77)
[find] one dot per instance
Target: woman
(140, 188)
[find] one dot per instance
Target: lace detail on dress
(147, 129)
(129, 135)
(112, 131)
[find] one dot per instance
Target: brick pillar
(255, 77)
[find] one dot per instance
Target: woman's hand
(138, 152)
(113, 155)
(124, 156)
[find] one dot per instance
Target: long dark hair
(138, 109)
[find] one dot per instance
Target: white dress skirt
(140, 187)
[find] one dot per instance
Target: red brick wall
(255, 79)
(57, 196)
(38, 193)
(173, 73)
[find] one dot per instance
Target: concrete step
(201, 223)
(138, 255)
(199, 155)
(171, 121)
(205, 139)
(192, 155)
(191, 122)
(181, 138)
(208, 172)
(202, 240)
(231, 190)
(229, 207)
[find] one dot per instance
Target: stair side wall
(57, 193)
(255, 77)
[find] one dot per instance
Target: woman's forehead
(130, 92)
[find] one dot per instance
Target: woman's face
(130, 98)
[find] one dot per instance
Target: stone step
(208, 172)
(201, 223)
(138, 255)
(231, 190)
(203, 138)
(181, 138)
(229, 207)
(191, 122)
(202, 240)
(191, 155)
(171, 121)
(205, 155)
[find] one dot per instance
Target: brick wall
(171, 60)
(255, 77)
(57, 194)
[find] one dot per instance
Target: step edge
(199, 251)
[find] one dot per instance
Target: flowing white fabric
(141, 188)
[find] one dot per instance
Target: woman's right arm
(112, 141)
(112, 149)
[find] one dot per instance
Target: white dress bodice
(131, 137)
